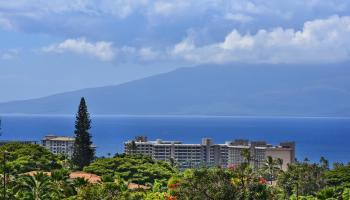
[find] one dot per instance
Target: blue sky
(53, 46)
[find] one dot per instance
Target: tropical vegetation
(34, 173)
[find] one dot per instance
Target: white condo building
(209, 154)
(59, 144)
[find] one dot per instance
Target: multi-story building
(59, 144)
(209, 154)
(285, 151)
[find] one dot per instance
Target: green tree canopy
(37, 187)
(133, 168)
(22, 158)
(203, 184)
(302, 178)
(338, 176)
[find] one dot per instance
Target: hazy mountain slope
(213, 90)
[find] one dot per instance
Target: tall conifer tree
(83, 152)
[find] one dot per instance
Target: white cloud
(74, 17)
(39, 8)
(323, 40)
(234, 40)
(169, 8)
(134, 25)
(125, 8)
(120, 8)
(239, 17)
(9, 54)
(101, 49)
(148, 54)
(184, 46)
(104, 50)
(6, 56)
(6, 24)
(247, 6)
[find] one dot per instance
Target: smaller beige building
(285, 151)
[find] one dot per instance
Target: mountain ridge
(246, 90)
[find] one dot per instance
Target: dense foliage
(24, 158)
(158, 180)
(340, 175)
(137, 169)
(302, 179)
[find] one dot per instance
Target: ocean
(314, 137)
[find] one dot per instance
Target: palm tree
(172, 162)
(60, 180)
(10, 183)
(132, 147)
(80, 182)
(244, 177)
(270, 167)
(36, 187)
(324, 163)
(279, 161)
(246, 155)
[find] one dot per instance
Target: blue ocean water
(314, 137)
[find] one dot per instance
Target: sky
(47, 47)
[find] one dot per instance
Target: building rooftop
(58, 138)
(134, 186)
(63, 139)
(239, 146)
(238, 143)
(91, 178)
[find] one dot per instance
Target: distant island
(241, 90)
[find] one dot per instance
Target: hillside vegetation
(159, 180)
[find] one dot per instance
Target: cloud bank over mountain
(106, 42)
(192, 31)
(101, 49)
(322, 40)
(319, 41)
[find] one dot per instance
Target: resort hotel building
(59, 144)
(209, 154)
